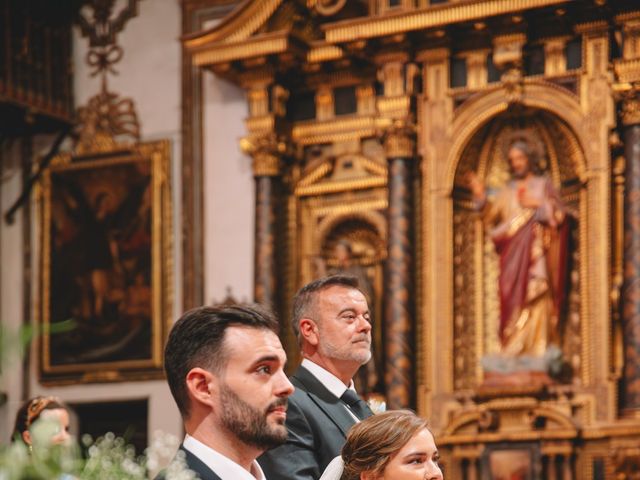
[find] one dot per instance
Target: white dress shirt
(224, 467)
(330, 381)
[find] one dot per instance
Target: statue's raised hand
(475, 185)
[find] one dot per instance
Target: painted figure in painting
(529, 228)
(101, 263)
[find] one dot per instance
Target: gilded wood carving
(457, 78)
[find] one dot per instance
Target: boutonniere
(377, 405)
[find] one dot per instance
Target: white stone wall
(150, 73)
(11, 284)
(229, 192)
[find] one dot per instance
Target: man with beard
(224, 367)
(331, 321)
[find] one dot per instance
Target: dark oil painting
(99, 274)
(101, 263)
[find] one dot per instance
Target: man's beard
(249, 424)
(328, 349)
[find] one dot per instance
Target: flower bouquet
(107, 458)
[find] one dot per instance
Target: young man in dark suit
(225, 371)
(332, 323)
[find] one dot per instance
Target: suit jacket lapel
(331, 405)
(198, 466)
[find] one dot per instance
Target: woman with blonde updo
(392, 445)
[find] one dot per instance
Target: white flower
(178, 470)
(109, 457)
(377, 406)
(162, 449)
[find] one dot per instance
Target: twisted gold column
(399, 274)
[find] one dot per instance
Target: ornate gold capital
(265, 164)
(631, 111)
(399, 139)
(266, 151)
(629, 96)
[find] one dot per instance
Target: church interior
(159, 155)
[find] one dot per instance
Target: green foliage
(108, 458)
(43, 460)
(14, 342)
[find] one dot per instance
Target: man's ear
(309, 331)
(26, 437)
(202, 386)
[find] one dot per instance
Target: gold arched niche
(341, 197)
(365, 232)
(539, 95)
(329, 224)
(446, 133)
(475, 263)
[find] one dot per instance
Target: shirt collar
(223, 466)
(328, 379)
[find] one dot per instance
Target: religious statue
(529, 228)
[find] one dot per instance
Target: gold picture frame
(106, 264)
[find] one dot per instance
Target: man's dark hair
(197, 340)
(304, 301)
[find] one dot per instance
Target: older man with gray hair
(331, 320)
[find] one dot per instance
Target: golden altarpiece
(364, 119)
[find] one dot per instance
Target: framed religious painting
(106, 264)
(511, 461)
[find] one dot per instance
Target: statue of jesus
(529, 229)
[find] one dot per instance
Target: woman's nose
(433, 472)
